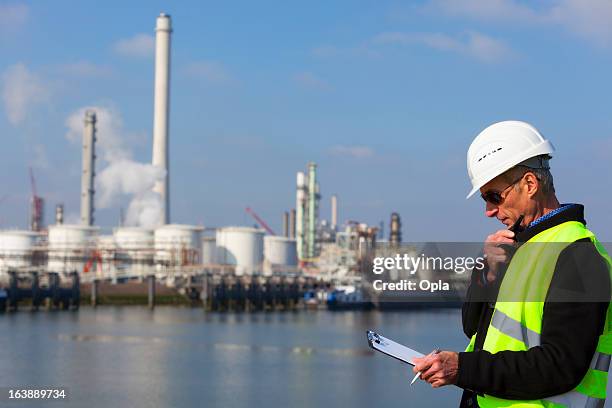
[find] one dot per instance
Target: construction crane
(260, 221)
(36, 218)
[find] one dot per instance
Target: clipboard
(391, 348)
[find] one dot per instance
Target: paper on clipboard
(391, 348)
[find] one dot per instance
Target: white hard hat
(502, 146)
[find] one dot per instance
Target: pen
(436, 351)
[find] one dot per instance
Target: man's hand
(495, 254)
(438, 369)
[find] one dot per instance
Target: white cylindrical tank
(241, 246)
(135, 248)
(106, 249)
(177, 244)
(280, 250)
(70, 247)
(209, 250)
(16, 249)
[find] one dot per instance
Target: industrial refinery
(311, 253)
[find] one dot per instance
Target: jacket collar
(568, 212)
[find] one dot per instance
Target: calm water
(181, 357)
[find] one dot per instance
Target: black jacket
(570, 331)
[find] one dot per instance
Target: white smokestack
(334, 212)
(161, 112)
(87, 178)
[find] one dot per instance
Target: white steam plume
(121, 176)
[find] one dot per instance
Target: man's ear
(532, 183)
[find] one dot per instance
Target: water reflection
(184, 357)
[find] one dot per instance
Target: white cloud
(21, 90)
(126, 176)
(486, 48)
(589, 19)
(86, 69)
(357, 152)
(477, 45)
(140, 45)
(121, 176)
(110, 135)
(209, 71)
(485, 9)
(13, 16)
(144, 210)
(310, 80)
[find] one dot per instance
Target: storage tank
(241, 246)
(209, 250)
(135, 242)
(135, 249)
(70, 247)
(106, 249)
(280, 250)
(17, 249)
(178, 244)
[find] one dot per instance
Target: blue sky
(384, 96)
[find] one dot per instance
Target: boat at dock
(348, 297)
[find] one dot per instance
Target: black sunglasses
(498, 197)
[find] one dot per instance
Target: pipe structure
(286, 224)
(87, 178)
(151, 291)
(312, 209)
(300, 205)
(292, 223)
(334, 212)
(59, 214)
(395, 234)
(161, 112)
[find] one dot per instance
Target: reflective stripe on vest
(516, 326)
(600, 363)
(514, 329)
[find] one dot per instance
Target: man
(538, 319)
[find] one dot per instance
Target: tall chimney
(87, 178)
(313, 193)
(286, 224)
(334, 212)
(300, 206)
(59, 214)
(292, 223)
(395, 234)
(161, 112)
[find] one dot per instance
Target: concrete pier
(151, 290)
(94, 293)
(252, 293)
(27, 287)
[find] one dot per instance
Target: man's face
(514, 201)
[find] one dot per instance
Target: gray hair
(545, 178)
(542, 173)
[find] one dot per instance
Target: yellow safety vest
(517, 325)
